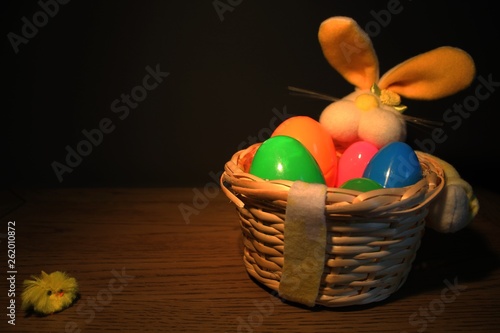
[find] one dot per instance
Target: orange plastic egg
(317, 141)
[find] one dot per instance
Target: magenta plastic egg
(394, 165)
(285, 158)
(354, 160)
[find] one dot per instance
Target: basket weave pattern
(372, 237)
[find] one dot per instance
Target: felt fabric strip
(304, 243)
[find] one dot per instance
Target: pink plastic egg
(354, 160)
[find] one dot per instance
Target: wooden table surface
(143, 266)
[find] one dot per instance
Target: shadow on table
(465, 255)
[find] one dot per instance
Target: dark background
(226, 77)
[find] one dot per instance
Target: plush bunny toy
(373, 112)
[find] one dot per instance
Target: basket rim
(240, 187)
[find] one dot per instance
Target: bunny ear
(349, 50)
(438, 73)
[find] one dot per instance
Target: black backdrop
(229, 63)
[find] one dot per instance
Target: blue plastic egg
(283, 157)
(394, 165)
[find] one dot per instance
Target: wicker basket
(372, 237)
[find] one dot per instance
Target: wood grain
(143, 267)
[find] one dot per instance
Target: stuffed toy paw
(456, 206)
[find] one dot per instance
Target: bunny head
(373, 112)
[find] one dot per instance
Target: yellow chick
(49, 293)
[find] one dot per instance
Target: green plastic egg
(361, 184)
(284, 158)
